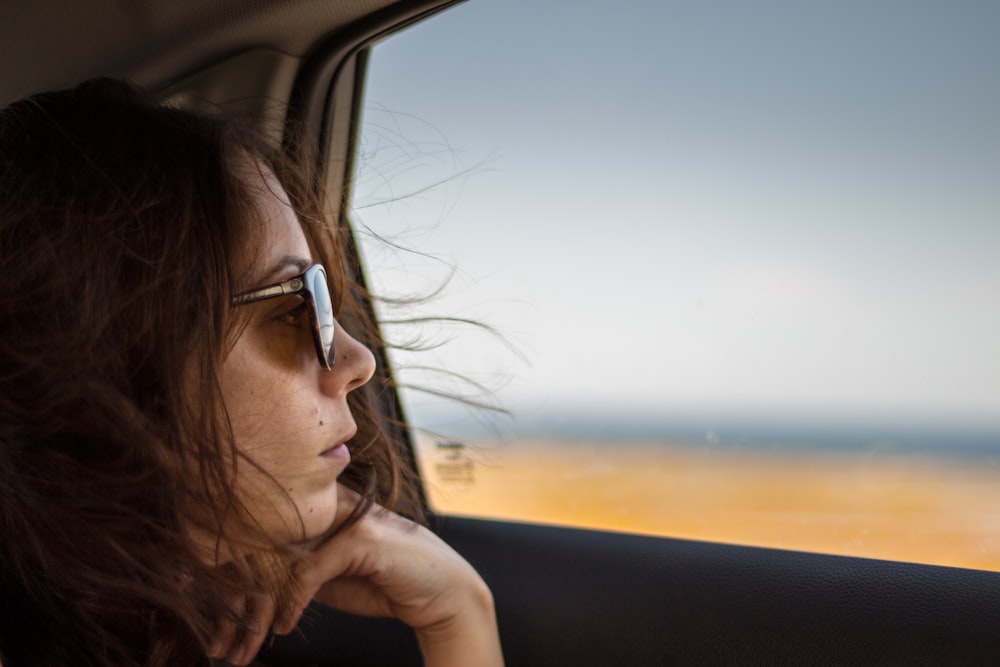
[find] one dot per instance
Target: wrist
(469, 636)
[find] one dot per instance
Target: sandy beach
(877, 504)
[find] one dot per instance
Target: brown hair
(120, 224)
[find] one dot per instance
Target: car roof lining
(256, 84)
(50, 44)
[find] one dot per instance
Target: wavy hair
(121, 224)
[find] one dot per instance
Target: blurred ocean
(925, 437)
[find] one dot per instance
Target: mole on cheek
(320, 422)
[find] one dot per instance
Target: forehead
(281, 233)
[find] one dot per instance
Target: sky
(673, 207)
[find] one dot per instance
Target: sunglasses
(311, 285)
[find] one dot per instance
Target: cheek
(278, 426)
(275, 431)
(269, 411)
(276, 478)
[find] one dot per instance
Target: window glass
(743, 260)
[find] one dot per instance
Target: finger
(225, 631)
(260, 612)
(340, 554)
(292, 612)
(312, 574)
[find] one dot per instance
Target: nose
(353, 367)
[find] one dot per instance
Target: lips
(340, 451)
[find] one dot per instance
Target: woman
(187, 451)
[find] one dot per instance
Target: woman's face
(289, 415)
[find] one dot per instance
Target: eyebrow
(300, 264)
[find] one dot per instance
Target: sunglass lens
(324, 313)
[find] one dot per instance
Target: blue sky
(786, 208)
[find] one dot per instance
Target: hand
(385, 565)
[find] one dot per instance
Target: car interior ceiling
(53, 43)
(564, 596)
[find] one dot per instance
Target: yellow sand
(878, 505)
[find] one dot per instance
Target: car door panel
(576, 597)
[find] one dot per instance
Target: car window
(732, 268)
